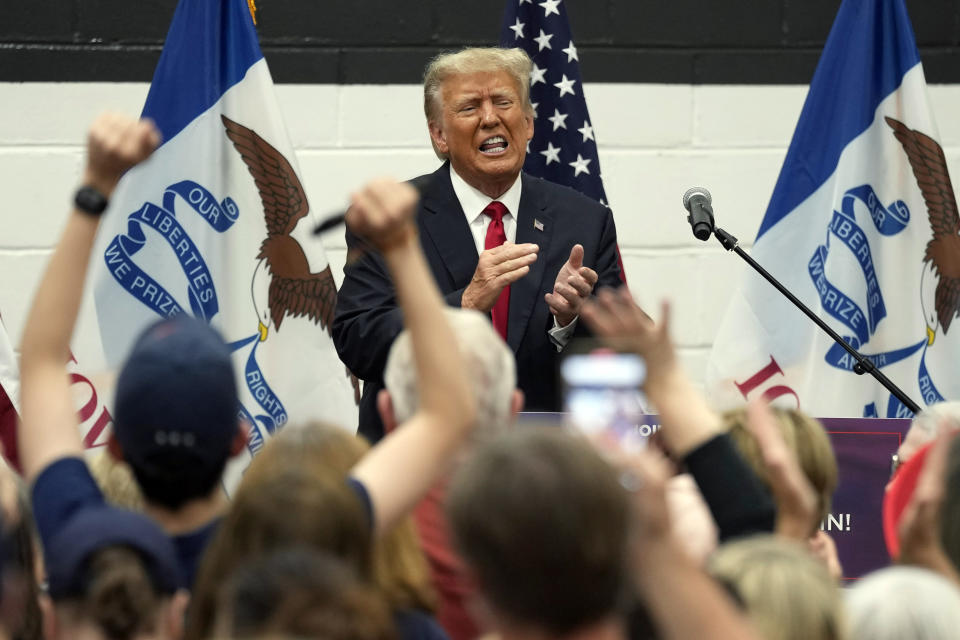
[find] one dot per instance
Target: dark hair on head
(542, 520)
(171, 481)
(301, 593)
(273, 510)
(119, 597)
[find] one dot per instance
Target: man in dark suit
(524, 250)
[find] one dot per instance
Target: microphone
(697, 203)
(336, 218)
(329, 222)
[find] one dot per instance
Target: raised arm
(400, 469)
(691, 429)
(683, 600)
(48, 429)
(615, 317)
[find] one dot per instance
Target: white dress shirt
(473, 202)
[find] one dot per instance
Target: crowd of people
(458, 522)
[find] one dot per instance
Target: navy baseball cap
(96, 528)
(176, 397)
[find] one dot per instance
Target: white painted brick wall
(655, 142)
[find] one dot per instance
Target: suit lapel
(534, 224)
(446, 225)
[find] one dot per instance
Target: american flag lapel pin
(537, 225)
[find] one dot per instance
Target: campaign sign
(864, 448)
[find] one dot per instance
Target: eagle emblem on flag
(940, 280)
(282, 281)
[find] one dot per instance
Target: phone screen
(602, 396)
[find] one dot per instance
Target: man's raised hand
(497, 268)
(615, 317)
(382, 212)
(116, 143)
(573, 285)
(794, 495)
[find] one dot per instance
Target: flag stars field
(558, 119)
(551, 153)
(537, 75)
(586, 131)
(580, 165)
(549, 6)
(565, 86)
(543, 40)
(554, 80)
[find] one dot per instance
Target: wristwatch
(90, 201)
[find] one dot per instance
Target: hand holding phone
(602, 396)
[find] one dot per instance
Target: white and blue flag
(216, 224)
(863, 227)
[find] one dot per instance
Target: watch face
(89, 200)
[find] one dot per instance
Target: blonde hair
(399, 568)
(806, 438)
(515, 62)
(279, 506)
(788, 594)
(116, 481)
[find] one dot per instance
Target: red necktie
(496, 236)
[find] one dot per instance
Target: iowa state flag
(216, 224)
(863, 227)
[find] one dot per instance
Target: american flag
(563, 149)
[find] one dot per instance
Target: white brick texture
(655, 142)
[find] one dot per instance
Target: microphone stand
(862, 366)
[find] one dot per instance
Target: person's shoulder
(66, 473)
(424, 182)
(62, 489)
(561, 198)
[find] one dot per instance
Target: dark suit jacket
(367, 318)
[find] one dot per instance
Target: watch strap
(90, 201)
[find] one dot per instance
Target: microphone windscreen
(692, 191)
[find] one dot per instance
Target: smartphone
(602, 396)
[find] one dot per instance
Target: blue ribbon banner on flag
(275, 414)
(138, 283)
(843, 225)
(201, 290)
(888, 221)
